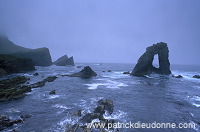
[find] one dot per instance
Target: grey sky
(104, 30)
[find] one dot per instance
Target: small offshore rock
(109, 71)
(87, 72)
(50, 79)
(196, 76)
(52, 92)
(127, 72)
(177, 76)
(36, 74)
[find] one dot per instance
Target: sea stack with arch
(144, 65)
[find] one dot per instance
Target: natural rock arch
(144, 65)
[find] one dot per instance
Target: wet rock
(90, 116)
(144, 65)
(77, 113)
(42, 83)
(87, 72)
(64, 61)
(100, 109)
(177, 76)
(103, 71)
(109, 71)
(14, 88)
(73, 128)
(25, 116)
(109, 107)
(196, 76)
(79, 66)
(7, 122)
(127, 72)
(50, 79)
(10, 64)
(52, 92)
(35, 74)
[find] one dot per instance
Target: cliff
(41, 56)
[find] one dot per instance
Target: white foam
(195, 104)
(115, 75)
(108, 84)
(54, 96)
(61, 106)
(115, 115)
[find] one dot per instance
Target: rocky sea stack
(40, 56)
(144, 65)
(87, 72)
(64, 61)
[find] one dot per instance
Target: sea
(150, 99)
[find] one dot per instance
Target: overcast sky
(104, 30)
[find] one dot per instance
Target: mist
(104, 31)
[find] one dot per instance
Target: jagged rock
(36, 74)
(87, 72)
(196, 76)
(13, 88)
(41, 56)
(108, 104)
(177, 76)
(144, 65)
(64, 61)
(77, 113)
(52, 92)
(7, 122)
(100, 109)
(42, 83)
(127, 72)
(10, 64)
(89, 117)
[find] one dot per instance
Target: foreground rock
(196, 76)
(87, 72)
(103, 106)
(40, 57)
(42, 83)
(144, 65)
(14, 88)
(6, 122)
(10, 64)
(64, 61)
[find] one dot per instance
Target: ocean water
(159, 98)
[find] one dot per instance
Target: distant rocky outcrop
(10, 64)
(87, 72)
(196, 76)
(41, 56)
(144, 65)
(64, 61)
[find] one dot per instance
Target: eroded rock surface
(144, 65)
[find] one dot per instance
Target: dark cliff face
(10, 64)
(144, 65)
(41, 56)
